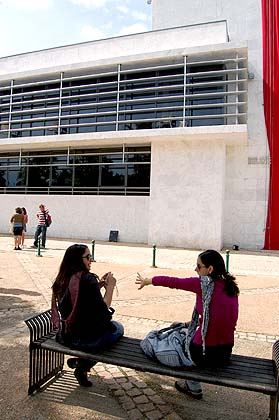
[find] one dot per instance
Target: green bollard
(39, 247)
(227, 260)
(93, 250)
(154, 257)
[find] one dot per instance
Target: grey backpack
(169, 346)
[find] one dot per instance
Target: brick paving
(138, 398)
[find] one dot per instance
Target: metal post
(154, 256)
(227, 260)
(93, 250)
(39, 247)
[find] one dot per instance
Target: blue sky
(30, 25)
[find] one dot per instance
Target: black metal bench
(243, 372)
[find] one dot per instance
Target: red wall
(270, 22)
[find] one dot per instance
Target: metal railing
(178, 92)
(139, 191)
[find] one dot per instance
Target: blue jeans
(41, 229)
(102, 343)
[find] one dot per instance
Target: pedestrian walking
(25, 221)
(44, 218)
(17, 227)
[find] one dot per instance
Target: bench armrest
(275, 357)
(40, 325)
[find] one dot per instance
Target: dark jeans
(214, 356)
(104, 342)
(41, 229)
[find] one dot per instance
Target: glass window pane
(112, 158)
(138, 176)
(113, 176)
(16, 177)
(3, 178)
(61, 176)
(38, 176)
(86, 159)
(39, 161)
(86, 176)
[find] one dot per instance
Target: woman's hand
(107, 280)
(109, 285)
(110, 281)
(142, 281)
(103, 280)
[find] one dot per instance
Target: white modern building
(158, 135)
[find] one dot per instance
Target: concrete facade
(247, 166)
(208, 184)
(187, 194)
(112, 50)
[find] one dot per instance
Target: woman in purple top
(222, 313)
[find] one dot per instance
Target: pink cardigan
(223, 312)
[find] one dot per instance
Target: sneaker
(18, 248)
(182, 386)
(73, 362)
(33, 246)
(81, 377)
(83, 364)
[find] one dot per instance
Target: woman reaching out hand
(213, 339)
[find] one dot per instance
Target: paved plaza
(118, 393)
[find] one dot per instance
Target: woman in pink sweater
(214, 337)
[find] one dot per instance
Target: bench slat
(46, 360)
(241, 373)
(132, 345)
(238, 363)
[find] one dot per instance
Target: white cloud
(139, 15)
(90, 4)
(89, 33)
(29, 5)
(133, 29)
(135, 14)
(123, 9)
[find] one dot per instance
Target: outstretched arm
(141, 281)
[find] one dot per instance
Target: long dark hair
(72, 263)
(213, 258)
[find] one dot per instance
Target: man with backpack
(44, 221)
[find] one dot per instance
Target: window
(112, 176)
(86, 176)
(150, 95)
(115, 170)
(201, 83)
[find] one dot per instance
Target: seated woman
(82, 315)
(216, 311)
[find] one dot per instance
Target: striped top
(42, 215)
